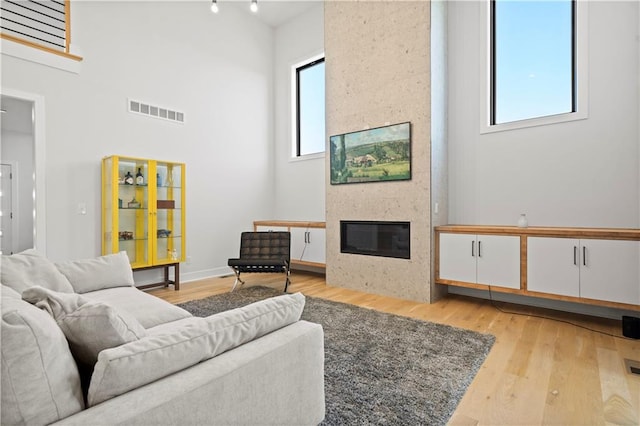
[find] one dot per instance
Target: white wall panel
(579, 173)
(218, 69)
(299, 185)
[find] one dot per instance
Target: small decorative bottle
(139, 178)
(522, 221)
(128, 179)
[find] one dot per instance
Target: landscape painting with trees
(372, 155)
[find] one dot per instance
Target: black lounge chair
(263, 252)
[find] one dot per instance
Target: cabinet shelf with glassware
(143, 211)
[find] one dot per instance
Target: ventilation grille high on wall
(155, 111)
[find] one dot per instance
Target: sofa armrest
(276, 379)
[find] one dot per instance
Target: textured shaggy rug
(380, 368)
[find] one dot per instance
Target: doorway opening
(22, 220)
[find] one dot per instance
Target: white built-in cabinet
(587, 265)
(553, 266)
(593, 269)
(308, 240)
(308, 244)
(480, 259)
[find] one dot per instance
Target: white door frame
(39, 195)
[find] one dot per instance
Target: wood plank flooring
(539, 371)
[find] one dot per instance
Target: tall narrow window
(43, 24)
(310, 130)
(533, 59)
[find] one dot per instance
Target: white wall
(300, 193)
(580, 173)
(218, 69)
(17, 148)
(439, 126)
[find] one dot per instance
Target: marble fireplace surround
(378, 73)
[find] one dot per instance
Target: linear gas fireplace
(373, 238)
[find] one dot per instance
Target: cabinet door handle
(584, 255)
(309, 237)
(473, 246)
(575, 255)
(479, 249)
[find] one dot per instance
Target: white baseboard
(223, 271)
(558, 305)
(154, 276)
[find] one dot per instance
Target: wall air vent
(154, 111)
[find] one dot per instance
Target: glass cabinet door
(133, 209)
(143, 210)
(169, 212)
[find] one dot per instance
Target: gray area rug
(380, 368)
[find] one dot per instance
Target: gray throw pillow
(89, 326)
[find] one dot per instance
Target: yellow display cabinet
(143, 212)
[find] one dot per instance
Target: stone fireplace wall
(377, 73)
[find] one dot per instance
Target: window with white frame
(309, 98)
(533, 62)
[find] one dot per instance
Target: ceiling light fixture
(254, 6)
(214, 6)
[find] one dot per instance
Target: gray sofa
(149, 362)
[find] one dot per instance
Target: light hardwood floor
(538, 372)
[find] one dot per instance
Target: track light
(253, 7)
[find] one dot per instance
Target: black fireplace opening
(376, 238)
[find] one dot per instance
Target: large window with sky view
(310, 108)
(532, 59)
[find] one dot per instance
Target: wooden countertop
(540, 231)
(289, 223)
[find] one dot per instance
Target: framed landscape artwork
(372, 155)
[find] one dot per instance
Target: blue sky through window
(311, 120)
(533, 59)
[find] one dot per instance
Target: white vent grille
(154, 111)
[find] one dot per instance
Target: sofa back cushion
(29, 268)
(149, 310)
(89, 326)
(130, 366)
(112, 270)
(40, 380)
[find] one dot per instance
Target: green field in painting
(374, 162)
